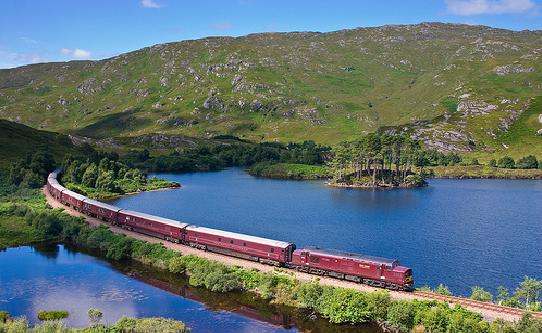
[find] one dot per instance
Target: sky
(57, 30)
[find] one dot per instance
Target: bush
(493, 163)
(346, 306)
(506, 162)
(94, 315)
(528, 162)
(136, 325)
(443, 290)
(52, 315)
(4, 316)
(479, 294)
(401, 315)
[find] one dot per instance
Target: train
(370, 270)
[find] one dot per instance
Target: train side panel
(152, 225)
(244, 246)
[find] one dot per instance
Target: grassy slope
(328, 87)
(16, 141)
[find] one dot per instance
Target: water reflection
(52, 276)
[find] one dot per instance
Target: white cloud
(15, 59)
(150, 4)
(222, 26)
(28, 40)
(481, 7)
(76, 53)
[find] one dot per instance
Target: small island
(378, 161)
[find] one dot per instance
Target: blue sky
(55, 30)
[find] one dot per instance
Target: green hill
(16, 141)
(456, 87)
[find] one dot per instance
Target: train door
(304, 258)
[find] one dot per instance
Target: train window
(220, 239)
(231, 241)
(388, 267)
(244, 243)
(272, 250)
(282, 250)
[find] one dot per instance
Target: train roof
(102, 205)
(248, 238)
(173, 223)
(74, 194)
(344, 254)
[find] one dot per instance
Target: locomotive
(373, 271)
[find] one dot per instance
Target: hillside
(16, 141)
(455, 87)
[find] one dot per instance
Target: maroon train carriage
(374, 271)
(151, 225)
(101, 210)
(267, 251)
(72, 199)
(54, 188)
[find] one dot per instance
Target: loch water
(460, 232)
(62, 277)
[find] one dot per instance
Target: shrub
(493, 163)
(506, 162)
(479, 294)
(435, 320)
(401, 315)
(309, 295)
(52, 315)
(136, 325)
(4, 316)
(94, 316)
(528, 162)
(443, 290)
(346, 306)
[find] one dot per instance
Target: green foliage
(101, 175)
(94, 316)
(529, 291)
(450, 103)
(132, 325)
(506, 162)
(382, 158)
(401, 315)
(528, 162)
(493, 163)
(31, 172)
(346, 306)
(443, 290)
(289, 171)
(4, 316)
(220, 156)
(52, 315)
(479, 294)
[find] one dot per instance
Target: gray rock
(539, 132)
(540, 118)
(213, 103)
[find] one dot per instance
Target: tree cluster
(102, 172)
(207, 157)
(31, 171)
(386, 159)
(507, 162)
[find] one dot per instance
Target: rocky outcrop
(213, 103)
(512, 69)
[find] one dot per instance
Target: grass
(481, 171)
(16, 141)
(389, 82)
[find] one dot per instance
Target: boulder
(213, 103)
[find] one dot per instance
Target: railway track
(486, 309)
(469, 303)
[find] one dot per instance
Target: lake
(53, 277)
(458, 232)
